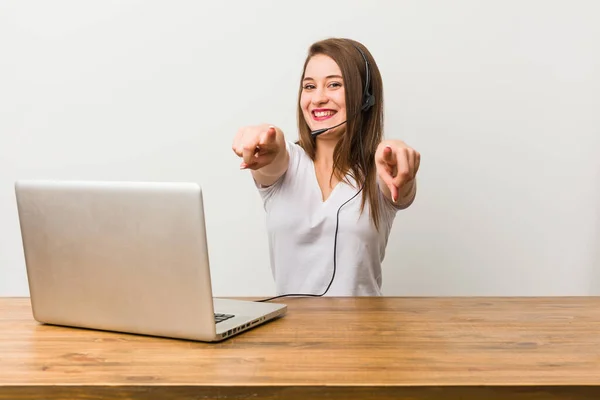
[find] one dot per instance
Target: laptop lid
(121, 256)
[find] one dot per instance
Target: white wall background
(500, 97)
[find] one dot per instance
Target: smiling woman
(310, 188)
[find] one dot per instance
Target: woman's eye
(332, 85)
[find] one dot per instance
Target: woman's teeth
(323, 113)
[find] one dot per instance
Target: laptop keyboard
(222, 317)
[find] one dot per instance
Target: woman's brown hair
(354, 154)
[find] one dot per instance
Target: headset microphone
(316, 133)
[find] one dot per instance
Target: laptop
(127, 257)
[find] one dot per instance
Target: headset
(368, 100)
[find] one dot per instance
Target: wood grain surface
(324, 348)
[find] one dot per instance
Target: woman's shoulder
(298, 156)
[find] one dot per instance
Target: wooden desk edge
(297, 392)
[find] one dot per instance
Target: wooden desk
(325, 348)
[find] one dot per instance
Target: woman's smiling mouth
(321, 114)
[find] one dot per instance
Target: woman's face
(323, 100)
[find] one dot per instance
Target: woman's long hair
(354, 154)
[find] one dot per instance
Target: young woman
(331, 198)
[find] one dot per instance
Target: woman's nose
(319, 96)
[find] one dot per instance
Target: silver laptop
(126, 256)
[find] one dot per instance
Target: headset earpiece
(368, 102)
